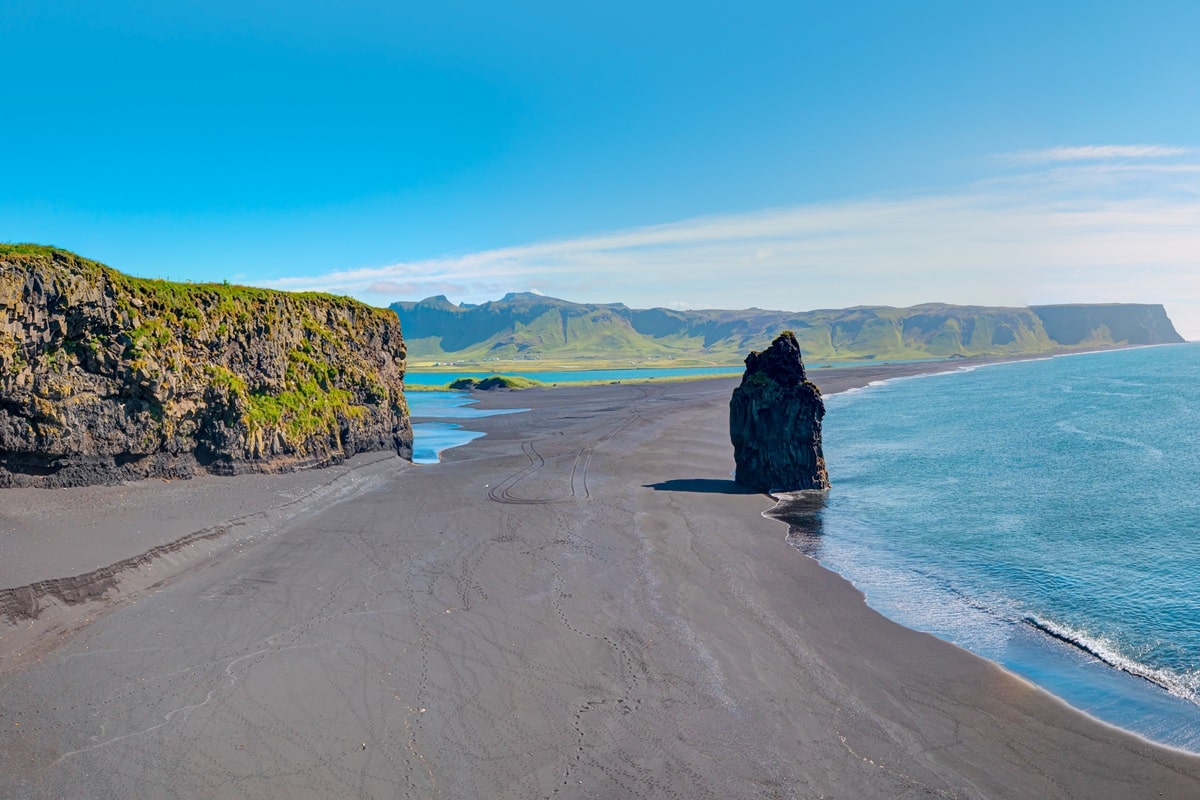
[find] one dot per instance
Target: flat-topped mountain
(527, 326)
(1128, 323)
(105, 377)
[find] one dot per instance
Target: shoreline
(924, 366)
(854, 379)
(584, 604)
(851, 379)
(1139, 694)
(572, 364)
(952, 367)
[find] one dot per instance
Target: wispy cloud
(1095, 152)
(1066, 232)
(394, 288)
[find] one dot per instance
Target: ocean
(1042, 514)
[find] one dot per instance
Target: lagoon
(434, 434)
(415, 378)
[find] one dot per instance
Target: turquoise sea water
(418, 378)
(1043, 514)
(434, 434)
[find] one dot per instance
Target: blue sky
(794, 155)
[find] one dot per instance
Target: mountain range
(525, 326)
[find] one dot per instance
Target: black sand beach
(580, 604)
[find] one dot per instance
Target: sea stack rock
(105, 377)
(775, 422)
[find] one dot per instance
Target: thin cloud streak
(1059, 235)
(1093, 152)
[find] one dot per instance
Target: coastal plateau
(106, 377)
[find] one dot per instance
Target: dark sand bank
(577, 605)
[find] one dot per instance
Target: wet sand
(580, 604)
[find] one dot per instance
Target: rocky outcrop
(775, 422)
(105, 378)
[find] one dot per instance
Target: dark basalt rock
(106, 378)
(775, 422)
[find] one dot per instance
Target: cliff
(775, 422)
(1108, 323)
(523, 326)
(105, 377)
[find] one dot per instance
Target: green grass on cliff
(26, 249)
(309, 409)
(179, 295)
(201, 334)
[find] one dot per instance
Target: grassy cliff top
(296, 363)
(167, 293)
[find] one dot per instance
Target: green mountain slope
(523, 326)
